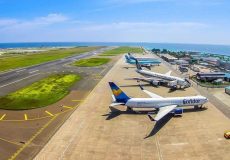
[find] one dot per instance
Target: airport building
(210, 76)
(227, 90)
(211, 61)
(168, 58)
(225, 65)
(182, 62)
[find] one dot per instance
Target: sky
(158, 21)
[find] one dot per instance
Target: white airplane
(155, 78)
(163, 105)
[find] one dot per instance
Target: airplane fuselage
(143, 62)
(158, 102)
(180, 81)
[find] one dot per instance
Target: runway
(31, 129)
(24, 76)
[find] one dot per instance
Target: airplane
(163, 105)
(144, 58)
(144, 63)
(156, 79)
(130, 59)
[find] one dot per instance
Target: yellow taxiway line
(11, 142)
(26, 117)
(14, 156)
(49, 113)
(77, 100)
(2, 117)
(68, 107)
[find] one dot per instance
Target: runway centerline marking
(20, 70)
(19, 80)
(2, 117)
(25, 116)
(33, 71)
(49, 113)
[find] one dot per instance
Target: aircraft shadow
(136, 85)
(186, 110)
(164, 120)
(158, 125)
(178, 89)
(115, 112)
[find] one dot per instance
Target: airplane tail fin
(138, 65)
(119, 95)
(131, 56)
(127, 58)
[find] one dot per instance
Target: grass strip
(40, 94)
(24, 60)
(122, 50)
(91, 62)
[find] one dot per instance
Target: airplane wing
(116, 104)
(168, 73)
(152, 95)
(163, 111)
(145, 79)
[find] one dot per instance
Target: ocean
(204, 48)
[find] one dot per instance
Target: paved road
(12, 80)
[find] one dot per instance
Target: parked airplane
(143, 63)
(163, 105)
(155, 78)
(144, 58)
(132, 60)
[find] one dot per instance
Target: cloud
(41, 29)
(7, 22)
(145, 25)
(13, 24)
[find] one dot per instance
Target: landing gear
(198, 107)
(201, 107)
(129, 109)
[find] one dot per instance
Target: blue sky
(172, 21)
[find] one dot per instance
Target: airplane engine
(172, 84)
(178, 112)
(155, 83)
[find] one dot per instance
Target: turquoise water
(215, 49)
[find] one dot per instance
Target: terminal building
(224, 65)
(210, 76)
(168, 58)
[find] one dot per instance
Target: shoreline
(203, 48)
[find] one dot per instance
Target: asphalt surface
(18, 78)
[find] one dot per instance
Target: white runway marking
(18, 80)
(21, 70)
(33, 71)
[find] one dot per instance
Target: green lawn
(40, 94)
(122, 50)
(23, 60)
(91, 62)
